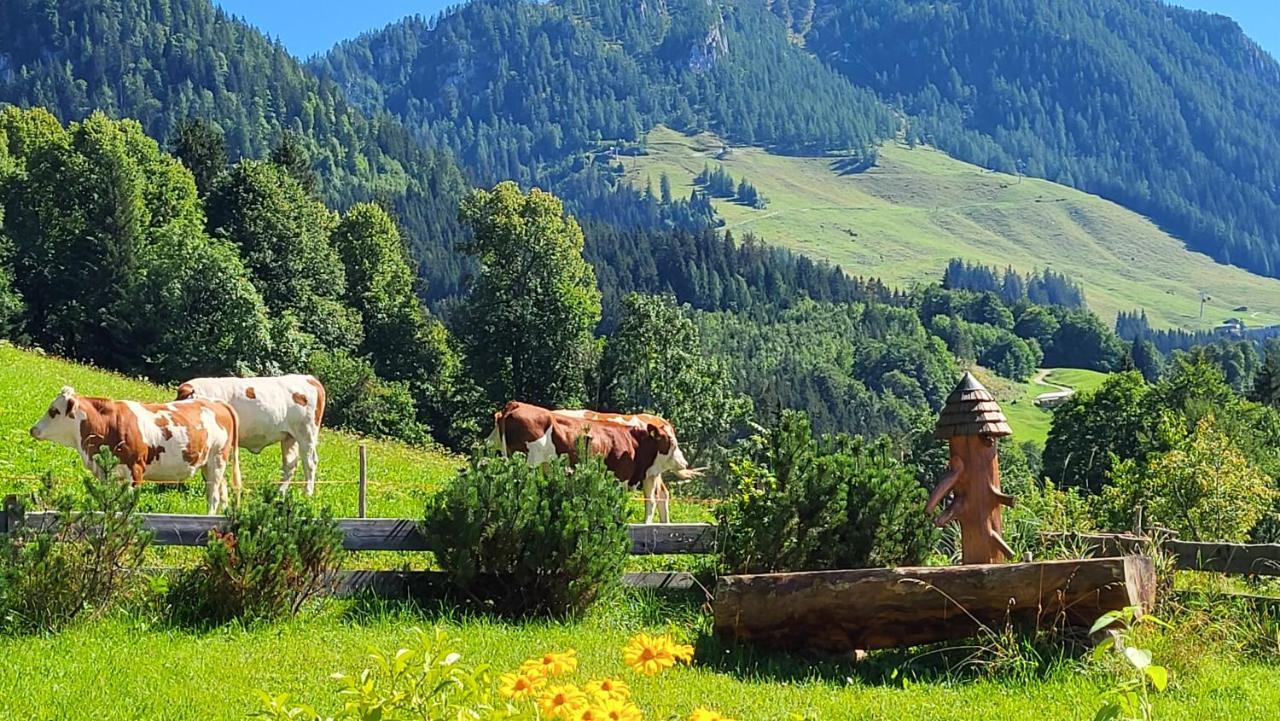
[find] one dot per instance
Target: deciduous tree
(526, 322)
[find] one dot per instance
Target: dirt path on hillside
(1042, 378)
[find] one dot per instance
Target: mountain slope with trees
(163, 63)
(521, 90)
(1170, 112)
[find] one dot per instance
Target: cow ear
(653, 431)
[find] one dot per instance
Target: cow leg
(215, 487)
(288, 462)
(648, 488)
(309, 446)
(664, 500)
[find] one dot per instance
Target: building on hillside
(1053, 399)
(1230, 327)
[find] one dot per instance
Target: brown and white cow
(661, 494)
(638, 454)
(151, 441)
(282, 409)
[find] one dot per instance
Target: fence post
(364, 479)
(11, 515)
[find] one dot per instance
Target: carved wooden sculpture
(971, 421)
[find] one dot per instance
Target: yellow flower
(618, 710)
(519, 686)
(551, 664)
(682, 652)
(648, 655)
(607, 688)
(562, 701)
(706, 714)
(593, 713)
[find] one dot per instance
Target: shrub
(360, 401)
(50, 577)
(272, 556)
(546, 540)
(1203, 487)
(808, 503)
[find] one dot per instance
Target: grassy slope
(1029, 422)
(400, 476)
(905, 218)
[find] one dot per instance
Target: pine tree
(1266, 385)
(202, 148)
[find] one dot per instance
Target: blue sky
(308, 27)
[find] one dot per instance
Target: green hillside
(1029, 422)
(400, 476)
(904, 218)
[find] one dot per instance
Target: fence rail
(376, 534)
(1260, 559)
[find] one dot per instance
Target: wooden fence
(398, 534)
(1259, 559)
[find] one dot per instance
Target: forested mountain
(521, 89)
(161, 62)
(1170, 112)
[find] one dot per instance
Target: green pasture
(400, 476)
(904, 218)
(1028, 421)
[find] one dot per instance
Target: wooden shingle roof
(971, 410)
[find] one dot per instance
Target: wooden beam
(399, 534)
(843, 611)
(1261, 559)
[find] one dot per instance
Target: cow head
(669, 457)
(186, 391)
(61, 422)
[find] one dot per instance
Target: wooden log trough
(844, 611)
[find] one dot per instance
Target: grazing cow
(637, 454)
(661, 494)
(152, 441)
(283, 409)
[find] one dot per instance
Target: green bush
(1203, 486)
(48, 578)
(809, 503)
(531, 541)
(272, 556)
(360, 401)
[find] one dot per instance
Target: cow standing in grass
(283, 409)
(151, 441)
(637, 451)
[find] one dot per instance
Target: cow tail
(234, 440)
(320, 396)
(502, 432)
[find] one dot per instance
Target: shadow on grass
(431, 599)
(1030, 654)
(852, 165)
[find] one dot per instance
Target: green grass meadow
(133, 665)
(902, 220)
(1028, 421)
